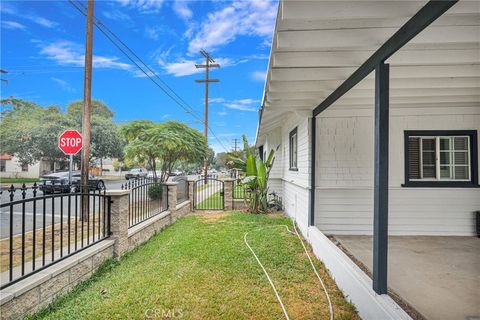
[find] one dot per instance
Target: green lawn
(215, 201)
(18, 180)
(200, 268)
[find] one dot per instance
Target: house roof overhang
(317, 45)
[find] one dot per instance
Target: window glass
(428, 158)
(293, 149)
(439, 158)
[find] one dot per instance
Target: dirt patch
(211, 215)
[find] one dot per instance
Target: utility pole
(235, 142)
(87, 104)
(209, 63)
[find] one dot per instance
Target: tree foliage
(31, 131)
(163, 145)
(257, 174)
(99, 109)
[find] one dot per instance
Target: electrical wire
(170, 92)
(330, 305)
(268, 277)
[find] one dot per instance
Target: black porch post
(313, 156)
(380, 198)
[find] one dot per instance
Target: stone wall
(38, 290)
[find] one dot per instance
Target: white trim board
(354, 283)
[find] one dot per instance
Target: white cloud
(11, 10)
(42, 21)
(116, 15)
(256, 17)
(63, 84)
(180, 68)
(145, 6)
(242, 104)
(165, 116)
(153, 32)
(222, 113)
(258, 75)
(230, 134)
(69, 53)
(216, 100)
(181, 8)
(12, 25)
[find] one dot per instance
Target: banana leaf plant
(256, 182)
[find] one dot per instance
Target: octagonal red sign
(70, 142)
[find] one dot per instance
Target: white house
(11, 167)
(373, 108)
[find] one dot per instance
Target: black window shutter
(414, 157)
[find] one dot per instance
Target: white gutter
(267, 76)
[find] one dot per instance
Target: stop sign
(70, 142)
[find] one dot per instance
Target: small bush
(155, 192)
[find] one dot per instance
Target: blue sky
(42, 47)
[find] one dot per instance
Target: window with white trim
(293, 149)
(445, 158)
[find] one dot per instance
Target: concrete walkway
(438, 276)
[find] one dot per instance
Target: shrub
(156, 191)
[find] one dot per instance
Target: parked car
(58, 182)
(136, 173)
(150, 174)
(176, 173)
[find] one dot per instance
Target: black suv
(58, 182)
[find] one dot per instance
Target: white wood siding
(292, 186)
(344, 193)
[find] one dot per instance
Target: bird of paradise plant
(256, 179)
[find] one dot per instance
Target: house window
(293, 149)
(441, 158)
(24, 167)
(3, 165)
(260, 152)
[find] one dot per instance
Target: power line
(185, 106)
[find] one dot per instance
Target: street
(60, 205)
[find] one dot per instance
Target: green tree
(31, 131)
(221, 159)
(165, 144)
(211, 157)
(100, 109)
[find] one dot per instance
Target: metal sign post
(70, 169)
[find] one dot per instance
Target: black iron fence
(40, 227)
(208, 194)
(182, 189)
(148, 197)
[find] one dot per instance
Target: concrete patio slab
(438, 276)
